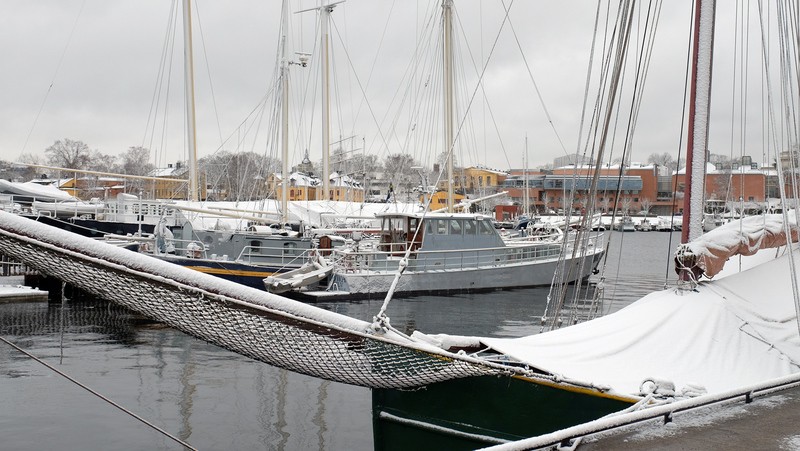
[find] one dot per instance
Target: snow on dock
(11, 290)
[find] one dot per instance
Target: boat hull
(539, 273)
(480, 411)
(241, 273)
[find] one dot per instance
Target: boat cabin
(439, 231)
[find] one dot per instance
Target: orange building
(740, 183)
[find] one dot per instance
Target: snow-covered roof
(168, 172)
(632, 165)
(302, 179)
(487, 169)
(712, 169)
(344, 181)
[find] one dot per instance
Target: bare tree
(398, 166)
(605, 204)
(646, 204)
(30, 172)
(626, 205)
(136, 161)
(68, 154)
(99, 161)
(441, 160)
(663, 159)
(236, 176)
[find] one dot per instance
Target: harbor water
(183, 389)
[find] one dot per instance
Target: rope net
(240, 319)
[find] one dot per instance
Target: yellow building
(478, 178)
(301, 186)
(439, 199)
(172, 184)
(306, 187)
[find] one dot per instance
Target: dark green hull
(480, 411)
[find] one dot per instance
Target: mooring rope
(85, 387)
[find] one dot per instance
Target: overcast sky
(89, 70)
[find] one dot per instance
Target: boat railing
(274, 254)
(379, 260)
(69, 208)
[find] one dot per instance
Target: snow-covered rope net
(259, 325)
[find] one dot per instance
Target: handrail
(435, 260)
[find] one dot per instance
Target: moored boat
(445, 253)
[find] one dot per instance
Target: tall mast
(449, 146)
(188, 71)
(699, 109)
(525, 180)
(284, 118)
(325, 13)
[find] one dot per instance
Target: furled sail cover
(707, 254)
(728, 333)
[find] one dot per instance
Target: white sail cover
(41, 192)
(729, 333)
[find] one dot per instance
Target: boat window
(289, 248)
(255, 246)
(455, 227)
(429, 227)
(484, 228)
(441, 227)
(469, 227)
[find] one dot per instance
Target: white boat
(625, 224)
(644, 226)
(449, 252)
(29, 191)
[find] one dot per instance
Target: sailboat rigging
(722, 335)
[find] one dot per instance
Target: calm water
(218, 400)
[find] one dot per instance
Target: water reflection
(202, 394)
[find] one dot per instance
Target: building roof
(484, 168)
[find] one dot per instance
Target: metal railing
(387, 258)
(10, 267)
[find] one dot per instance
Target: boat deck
(769, 422)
